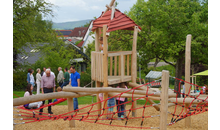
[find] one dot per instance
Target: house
(78, 33)
(88, 38)
(74, 35)
(64, 33)
(31, 55)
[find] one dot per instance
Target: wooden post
(187, 74)
(122, 67)
(115, 68)
(99, 106)
(134, 64)
(134, 56)
(97, 40)
(105, 64)
(70, 108)
(164, 100)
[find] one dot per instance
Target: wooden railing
(119, 65)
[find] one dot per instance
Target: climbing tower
(111, 20)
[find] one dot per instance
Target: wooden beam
(134, 56)
(115, 68)
(99, 105)
(134, 65)
(113, 11)
(108, 7)
(187, 74)
(111, 60)
(164, 100)
(188, 100)
(110, 4)
(122, 68)
(42, 97)
(107, 89)
(97, 40)
(105, 64)
(128, 65)
(111, 94)
(70, 108)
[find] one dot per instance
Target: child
(120, 106)
(33, 105)
(111, 103)
(59, 89)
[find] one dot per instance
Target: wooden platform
(118, 79)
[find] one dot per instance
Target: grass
(81, 100)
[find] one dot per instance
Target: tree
(165, 25)
(29, 28)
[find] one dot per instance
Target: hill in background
(70, 25)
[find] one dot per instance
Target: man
(66, 78)
(47, 86)
(42, 73)
(51, 73)
(75, 82)
(60, 76)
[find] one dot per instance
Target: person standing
(28, 75)
(32, 81)
(38, 80)
(183, 93)
(42, 73)
(60, 76)
(47, 86)
(66, 78)
(75, 82)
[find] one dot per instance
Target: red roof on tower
(119, 22)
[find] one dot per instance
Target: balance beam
(42, 97)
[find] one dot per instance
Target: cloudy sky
(74, 10)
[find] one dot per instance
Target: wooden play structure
(111, 20)
(123, 72)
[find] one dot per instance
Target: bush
(19, 79)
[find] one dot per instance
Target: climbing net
(176, 112)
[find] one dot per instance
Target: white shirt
(32, 78)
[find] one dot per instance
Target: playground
(200, 121)
(162, 108)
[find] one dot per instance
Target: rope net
(145, 118)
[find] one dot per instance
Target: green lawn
(81, 100)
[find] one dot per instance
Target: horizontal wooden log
(111, 94)
(42, 97)
(187, 100)
(105, 90)
(119, 53)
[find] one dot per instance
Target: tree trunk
(179, 64)
(156, 62)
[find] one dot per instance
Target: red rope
(86, 116)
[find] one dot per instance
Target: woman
(32, 81)
(38, 80)
(28, 92)
(28, 75)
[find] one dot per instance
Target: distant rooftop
(153, 74)
(63, 32)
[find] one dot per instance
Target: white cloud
(69, 10)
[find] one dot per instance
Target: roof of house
(119, 22)
(63, 32)
(78, 32)
(80, 44)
